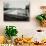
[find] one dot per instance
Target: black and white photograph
(16, 10)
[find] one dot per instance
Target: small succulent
(11, 31)
(41, 17)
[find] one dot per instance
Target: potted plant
(10, 31)
(42, 17)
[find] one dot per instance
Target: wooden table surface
(31, 45)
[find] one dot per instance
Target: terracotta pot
(43, 23)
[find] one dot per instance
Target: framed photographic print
(16, 10)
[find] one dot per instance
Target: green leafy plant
(41, 17)
(11, 31)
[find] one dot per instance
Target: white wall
(25, 28)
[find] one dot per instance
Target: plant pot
(43, 23)
(9, 41)
(13, 38)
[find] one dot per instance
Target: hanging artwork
(16, 10)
